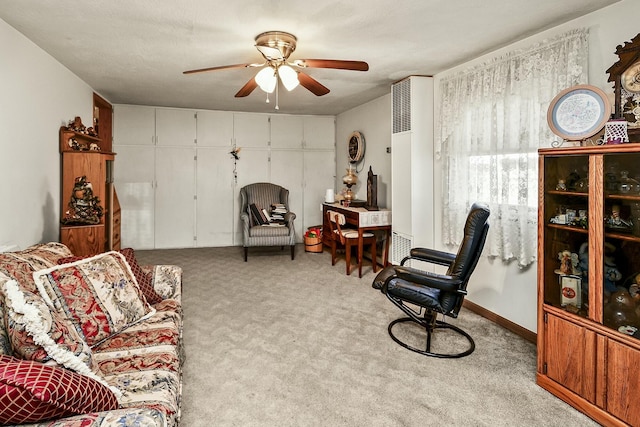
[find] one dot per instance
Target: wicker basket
(312, 244)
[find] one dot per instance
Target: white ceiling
(134, 52)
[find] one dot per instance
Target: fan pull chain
(277, 91)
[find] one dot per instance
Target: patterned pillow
(5, 344)
(98, 294)
(20, 265)
(19, 304)
(31, 392)
(144, 278)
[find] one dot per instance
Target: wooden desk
(363, 220)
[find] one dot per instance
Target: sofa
(93, 341)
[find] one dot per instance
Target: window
(492, 122)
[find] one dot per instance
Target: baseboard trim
(499, 320)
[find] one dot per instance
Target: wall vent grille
(401, 93)
(400, 247)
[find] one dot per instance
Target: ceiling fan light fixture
(288, 76)
(270, 53)
(266, 79)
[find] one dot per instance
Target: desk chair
(348, 238)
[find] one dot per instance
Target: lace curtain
(492, 121)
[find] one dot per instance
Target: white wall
(373, 120)
(38, 96)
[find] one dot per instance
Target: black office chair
(433, 293)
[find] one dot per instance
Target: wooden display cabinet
(588, 354)
(87, 155)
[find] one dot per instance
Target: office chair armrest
(432, 280)
(430, 255)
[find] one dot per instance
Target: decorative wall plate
(578, 112)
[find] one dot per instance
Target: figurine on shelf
(77, 126)
(73, 144)
(568, 263)
(84, 207)
(615, 221)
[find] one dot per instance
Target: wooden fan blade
(332, 63)
(247, 88)
(222, 67)
(312, 84)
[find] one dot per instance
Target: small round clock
(578, 112)
(356, 147)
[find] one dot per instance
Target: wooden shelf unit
(97, 166)
(582, 356)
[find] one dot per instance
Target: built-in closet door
(214, 179)
(252, 167)
(319, 132)
(134, 173)
(319, 175)
(286, 131)
(251, 130)
(175, 177)
(251, 133)
(286, 170)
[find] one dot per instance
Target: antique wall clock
(356, 147)
(625, 75)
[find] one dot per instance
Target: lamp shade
(288, 76)
(266, 79)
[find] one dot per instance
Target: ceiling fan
(275, 47)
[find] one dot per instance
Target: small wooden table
(363, 220)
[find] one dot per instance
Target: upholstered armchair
(263, 195)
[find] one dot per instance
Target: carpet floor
(276, 342)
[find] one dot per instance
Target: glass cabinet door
(621, 247)
(566, 236)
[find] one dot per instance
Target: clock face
(630, 79)
(356, 147)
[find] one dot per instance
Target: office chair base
(430, 329)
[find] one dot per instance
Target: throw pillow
(144, 279)
(20, 265)
(32, 392)
(99, 295)
(22, 307)
(5, 344)
(36, 321)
